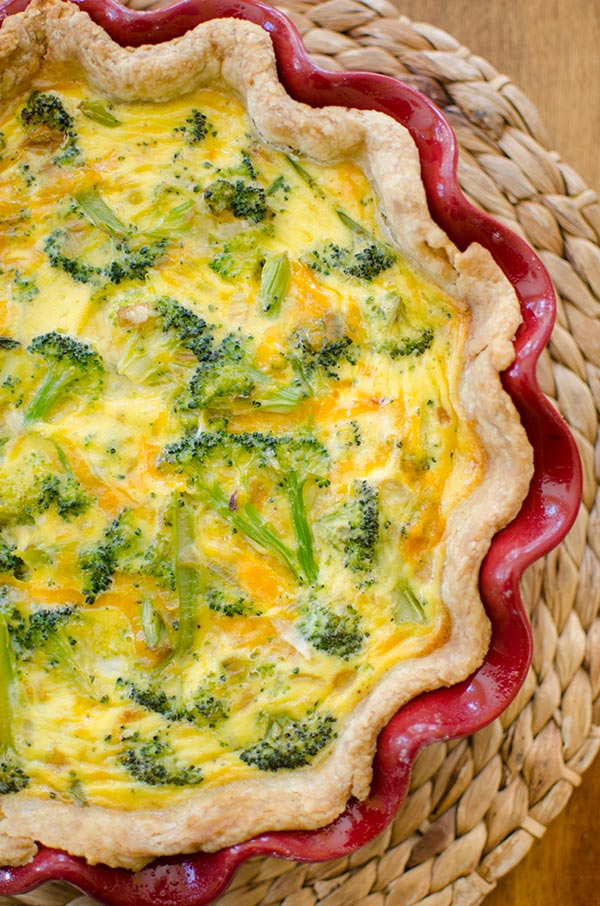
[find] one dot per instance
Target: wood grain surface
(551, 50)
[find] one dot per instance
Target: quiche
(253, 442)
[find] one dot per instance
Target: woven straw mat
(477, 805)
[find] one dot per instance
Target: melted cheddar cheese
(230, 441)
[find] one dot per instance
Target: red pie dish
(543, 521)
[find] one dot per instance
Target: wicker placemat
(477, 805)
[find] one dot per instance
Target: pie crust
(241, 55)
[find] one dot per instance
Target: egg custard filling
(235, 453)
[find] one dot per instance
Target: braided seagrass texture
(477, 805)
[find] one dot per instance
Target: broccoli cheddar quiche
(253, 442)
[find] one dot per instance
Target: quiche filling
(230, 439)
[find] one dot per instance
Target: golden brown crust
(241, 54)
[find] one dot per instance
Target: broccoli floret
(360, 518)
(227, 264)
(151, 698)
(365, 259)
(195, 128)
(21, 503)
(279, 184)
(337, 633)
(70, 364)
(10, 382)
(228, 605)
(237, 198)
(196, 449)
(70, 498)
(129, 263)
(289, 744)
(245, 168)
(369, 262)
(224, 375)
(44, 110)
(34, 485)
(366, 263)
(133, 263)
(228, 375)
(10, 393)
(25, 289)
(291, 461)
(99, 563)
(76, 269)
(69, 153)
(153, 763)
(10, 562)
(409, 345)
(206, 709)
(354, 528)
(12, 776)
(315, 357)
(393, 332)
(166, 344)
(189, 329)
(38, 628)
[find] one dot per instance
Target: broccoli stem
(305, 175)
(177, 219)
(254, 526)
(306, 556)
(6, 679)
(62, 458)
(186, 576)
(55, 384)
(62, 655)
(152, 625)
(354, 226)
(407, 607)
(12, 776)
(274, 283)
(286, 399)
(99, 113)
(98, 212)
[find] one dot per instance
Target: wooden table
(551, 50)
